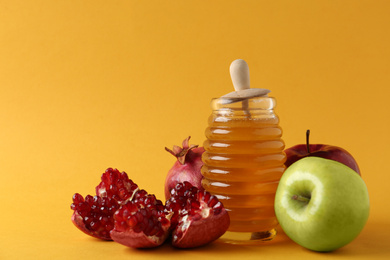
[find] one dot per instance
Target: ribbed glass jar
(243, 163)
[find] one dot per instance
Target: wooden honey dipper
(239, 72)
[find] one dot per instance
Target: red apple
(331, 152)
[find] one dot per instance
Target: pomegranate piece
(141, 223)
(94, 214)
(186, 168)
(116, 185)
(178, 201)
(198, 217)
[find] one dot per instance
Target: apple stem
(301, 198)
(307, 140)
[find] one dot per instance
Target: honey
(243, 162)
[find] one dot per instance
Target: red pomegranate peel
(186, 168)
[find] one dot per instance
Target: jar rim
(262, 102)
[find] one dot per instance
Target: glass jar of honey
(243, 162)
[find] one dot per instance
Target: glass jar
(243, 162)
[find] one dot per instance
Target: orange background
(87, 85)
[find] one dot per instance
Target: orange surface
(87, 85)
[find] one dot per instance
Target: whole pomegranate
(94, 214)
(198, 217)
(186, 168)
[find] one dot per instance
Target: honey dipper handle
(239, 72)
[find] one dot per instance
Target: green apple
(321, 204)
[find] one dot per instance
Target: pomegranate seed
(137, 228)
(206, 196)
(143, 212)
(140, 193)
(213, 200)
(113, 189)
(89, 199)
(217, 210)
(153, 231)
(77, 198)
(132, 221)
(109, 226)
(138, 216)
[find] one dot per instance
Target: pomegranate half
(141, 223)
(198, 217)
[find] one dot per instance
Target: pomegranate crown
(179, 152)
